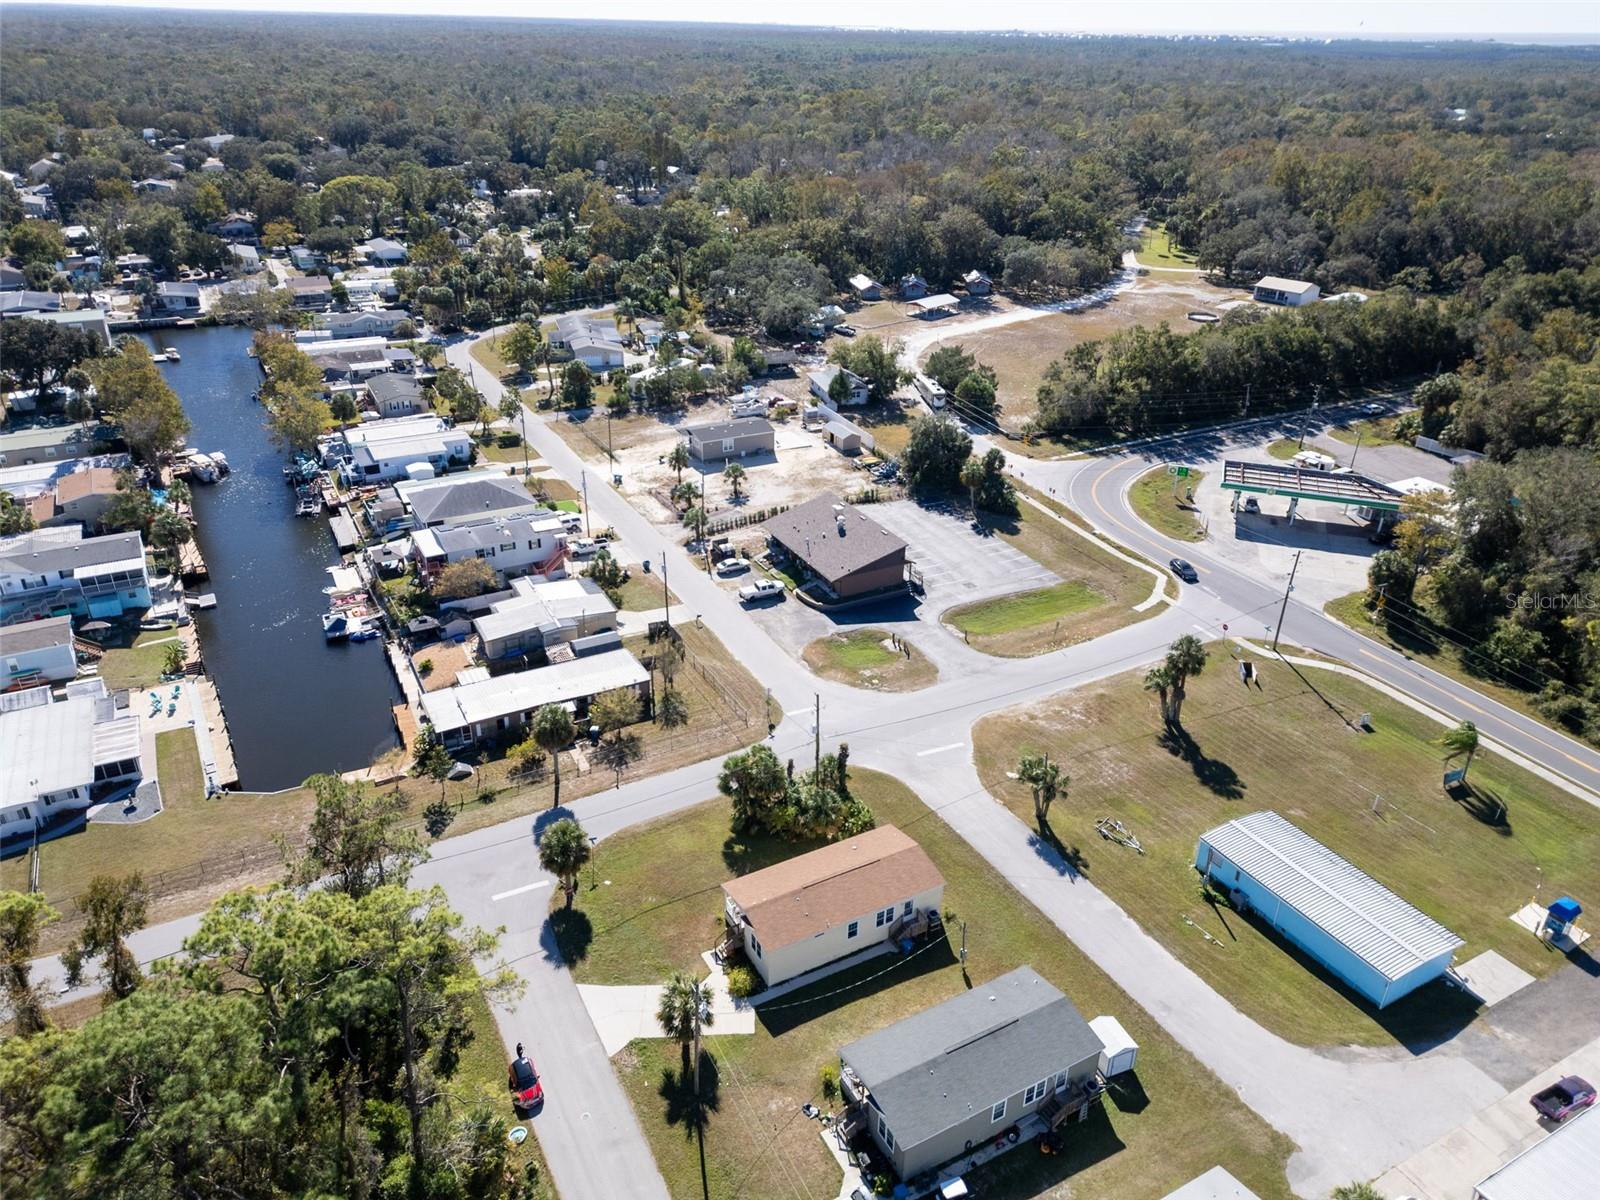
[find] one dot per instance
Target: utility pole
(583, 481)
(666, 596)
(1283, 611)
(1360, 433)
(817, 730)
(963, 943)
(1247, 399)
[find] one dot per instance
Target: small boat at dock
(171, 354)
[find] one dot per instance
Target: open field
(178, 767)
(643, 592)
(194, 851)
(1175, 1122)
(482, 1073)
(1293, 746)
(1021, 353)
(1157, 249)
(861, 659)
(1435, 650)
(1164, 510)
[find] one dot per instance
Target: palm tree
(1463, 739)
(1046, 780)
(734, 474)
(552, 729)
(678, 459)
(1169, 678)
(685, 1010)
(563, 850)
(972, 480)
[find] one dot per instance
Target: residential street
(1352, 1115)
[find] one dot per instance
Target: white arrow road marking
(517, 891)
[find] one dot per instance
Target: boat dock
(191, 563)
(344, 531)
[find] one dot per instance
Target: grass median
(1293, 745)
(655, 905)
(868, 658)
(1159, 505)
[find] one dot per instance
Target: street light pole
(1283, 611)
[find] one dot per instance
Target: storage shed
(1120, 1052)
(1379, 945)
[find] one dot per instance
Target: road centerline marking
(517, 891)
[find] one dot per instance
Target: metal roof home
(466, 707)
(950, 1063)
(1382, 930)
(68, 551)
(1565, 1164)
(809, 894)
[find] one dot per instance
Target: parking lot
(958, 566)
(957, 563)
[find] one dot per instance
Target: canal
(295, 705)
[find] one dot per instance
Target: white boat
(220, 460)
(171, 354)
(202, 467)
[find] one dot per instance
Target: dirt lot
(1020, 353)
(803, 467)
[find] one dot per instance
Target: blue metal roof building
(1370, 938)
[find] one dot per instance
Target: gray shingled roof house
(470, 498)
(841, 546)
(940, 1084)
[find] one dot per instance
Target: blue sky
(1536, 19)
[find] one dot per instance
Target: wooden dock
(191, 563)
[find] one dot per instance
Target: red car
(527, 1093)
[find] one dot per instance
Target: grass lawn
(861, 659)
(1028, 612)
(513, 453)
(889, 424)
(556, 492)
(1177, 1122)
(1098, 590)
(482, 1072)
(140, 664)
(1375, 431)
(489, 358)
(1446, 657)
(194, 852)
(178, 766)
(1155, 504)
(1157, 249)
(643, 592)
(1288, 747)
(1284, 449)
(190, 854)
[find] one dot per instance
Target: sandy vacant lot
(802, 468)
(1020, 353)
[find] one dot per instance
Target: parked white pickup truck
(760, 590)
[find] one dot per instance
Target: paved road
(1097, 488)
(1351, 1115)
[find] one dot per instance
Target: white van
(930, 391)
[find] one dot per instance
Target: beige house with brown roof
(79, 498)
(814, 908)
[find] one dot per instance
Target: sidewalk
(1453, 1165)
